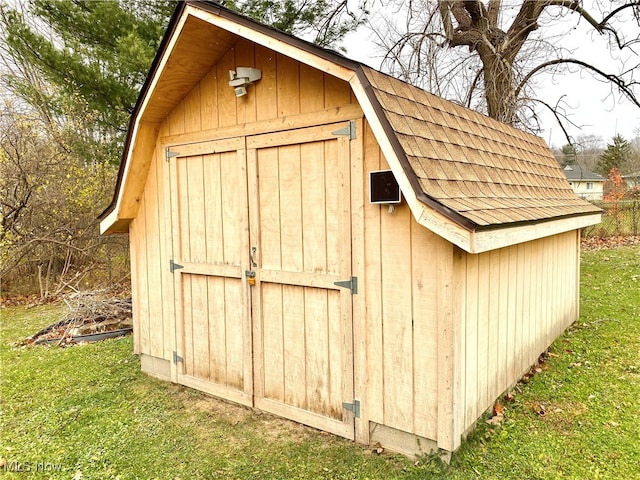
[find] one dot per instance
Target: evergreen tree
(569, 155)
(90, 59)
(616, 156)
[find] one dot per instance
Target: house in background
(632, 179)
(585, 184)
(321, 241)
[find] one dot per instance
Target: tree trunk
(499, 85)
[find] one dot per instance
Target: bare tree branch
(623, 87)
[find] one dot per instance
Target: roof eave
(492, 238)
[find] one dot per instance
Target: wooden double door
(261, 235)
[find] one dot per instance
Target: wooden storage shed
(263, 273)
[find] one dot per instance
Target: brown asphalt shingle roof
(490, 173)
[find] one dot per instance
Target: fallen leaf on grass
(498, 415)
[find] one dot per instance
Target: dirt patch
(270, 426)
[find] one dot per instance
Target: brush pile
(90, 313)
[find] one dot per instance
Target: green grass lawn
(87, 411)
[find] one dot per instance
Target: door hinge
(350, 284)
(173, 266)
(177, 358)
(353, 407)
(348, 131)
(168, 154)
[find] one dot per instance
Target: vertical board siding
(403, 271)
(154, 266)
(397, 318)
(518, 300)
(372, 284)
(286, 88)
(145, 253)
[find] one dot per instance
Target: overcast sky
(593, 107)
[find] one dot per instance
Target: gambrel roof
(477, 182)
(488, 172)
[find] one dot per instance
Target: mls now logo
(15, 466)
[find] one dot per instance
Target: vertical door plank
(233, 317)
(338, 359)
(214, 246)
(333, 207)
(176, 174)
(234, 208)
(254, 370)
(313, 208)
(182, 201)
(200, 326)
(317, 353)
(217, 334)
(187, 322)
(213, 211)
(273, 349)
(293, 320)
(196, 209)
(290, 208)
(345, 268)
(269, 207)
